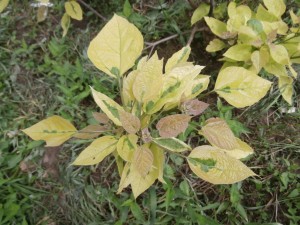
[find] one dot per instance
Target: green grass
(42, 74)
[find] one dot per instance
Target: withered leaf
(142, 160)
(130, 122)
(101, 117)
(89, 132)
(219, 134)
(171, 126)
(194, 107)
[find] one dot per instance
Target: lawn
(43, 74)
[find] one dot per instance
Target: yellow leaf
(74, 10)
(3, 5)
(179, 57)
(130, 122)
(127, 92)
(175, 83)
(216, 26)
(108, 106)
(200, 84)
(55, 130)
(140, 183)
(240, 87)
(275, 68)
(65, 23)
(126, 146)
(248, 36)
(260, 58)
(286, 88)
(159, 161)
(294, 17)
(42, 13)
(142, 160)
(219, 134)
(213, 165)
(242, 151)
(238, 16)
(200, 12)
(264, 15)
(173, 125)
(280, 26)
(116, 47)
(279, 54)
(215, 45)
(125, 178)
(89, 132)
(276, 7)
(96, 151)
(239, 52)
(147, 84)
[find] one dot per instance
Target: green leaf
(97, 151)
(117, 45)
(200, 12)
(226, 170)
(239, 52)
(185, 187)
(171, 144)
(55, 130)
(127, 9)
(205, 164)
(241, 87)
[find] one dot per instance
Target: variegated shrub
(257, 42)
(132, 130)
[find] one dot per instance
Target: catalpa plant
(133, 130)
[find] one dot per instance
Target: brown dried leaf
(194, 107)
(142, 160)
(101, 117)
(130, 122)
(171, 126)
(219, 134)
(146, 136)
(89, 132)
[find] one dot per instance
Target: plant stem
(93, 10)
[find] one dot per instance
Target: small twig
(212, 6)
(93, 10)
(192, 35)
(152, 45)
